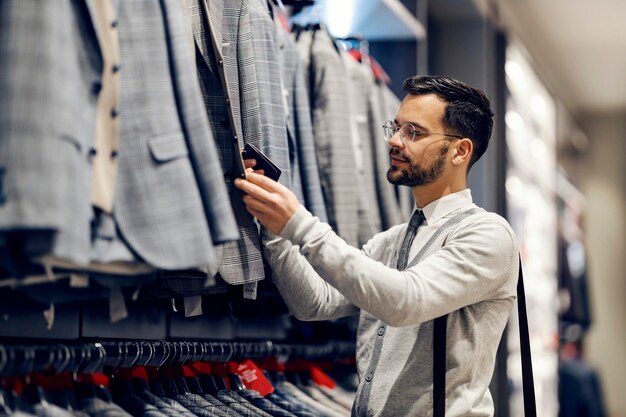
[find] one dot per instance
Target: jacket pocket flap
(168, 146)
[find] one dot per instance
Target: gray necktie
(416, 220)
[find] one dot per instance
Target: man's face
(422, 161)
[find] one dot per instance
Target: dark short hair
(468, 111)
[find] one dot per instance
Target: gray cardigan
(469, 272)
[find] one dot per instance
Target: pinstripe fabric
(139, 408)
(168, 406)
(234, 402)
(158, 204)
(335, 157)
(50, 61)
(96, 407)
(264, 404)
(390, 212)
(390, 106)
(203, 151)
(214, 401)
(199, 406)
(299, 410)
(305, 173)
(224, 57)
(361, 81)
(270, 89)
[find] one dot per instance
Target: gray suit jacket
(227, 75)
(49, 76)
(378, 112)
(360, 85)
(389, 105)
(158, 205)
(270, 89)
(203, 152)
(330, 108)
(305, 173)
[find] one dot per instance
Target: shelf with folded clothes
(173, 378)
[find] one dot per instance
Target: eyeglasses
(409, 133)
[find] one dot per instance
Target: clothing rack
(89, 357)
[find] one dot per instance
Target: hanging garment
(389, 208)
(331, 130)
(389, 107)
(305, 173)
(158, 205)
(104, 160)
(48, 121)
(269, 89)
(225, 66)
(359, 86)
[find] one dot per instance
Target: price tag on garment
(253, 378)
(321, 378)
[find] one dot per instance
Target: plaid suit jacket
(378, 113)
(361, 80)
(335, 156)
(390, 104)
(50, 69)
(270, 89)
(203, 152)
(225, 66)
(158, 204)
(305, 173)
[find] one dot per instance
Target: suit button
(113, 154)
(96, 87)
(369, 377)
(114, 112)
(381, 331)
(116, 68)
(220, 63)
(227, 101)
(114, 24)
(92, 153)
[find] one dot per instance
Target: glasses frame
(416, 132)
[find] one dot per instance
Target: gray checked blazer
(270, 89)
(379, 111)
(331, 130)
(390, 104)
(50, 71)
(361, 81)
(159, 206)
(227, 75)
(305, 173)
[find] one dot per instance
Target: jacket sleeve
(306, 294)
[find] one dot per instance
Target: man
(463, 261)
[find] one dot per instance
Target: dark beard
(416, 175)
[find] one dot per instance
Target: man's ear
(462, 151)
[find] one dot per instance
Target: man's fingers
(265, 182)
(256, 204)
(252, 189)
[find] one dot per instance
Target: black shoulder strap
(528, 383)
(439, 366)
(439, 357)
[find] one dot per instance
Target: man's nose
(396, 140)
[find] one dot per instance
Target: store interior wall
(603, 179)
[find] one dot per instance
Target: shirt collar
(445, 205)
